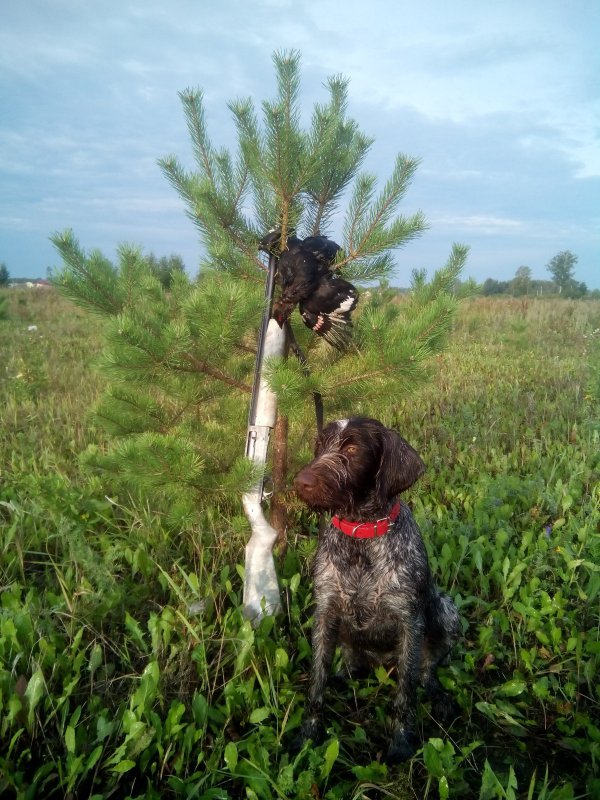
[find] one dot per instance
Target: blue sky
(501, 101)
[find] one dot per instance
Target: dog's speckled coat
(374, 597)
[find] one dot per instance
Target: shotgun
(261, 589)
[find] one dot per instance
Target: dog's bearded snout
(342, 471)
(305, 483)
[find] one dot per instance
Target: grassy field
(127, 671)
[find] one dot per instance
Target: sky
(499, 100)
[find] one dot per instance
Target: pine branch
(90, 281)
(213, 372)
(338, 150)
(367, 231)
(193, 106)
(444, 279)
(213, 196)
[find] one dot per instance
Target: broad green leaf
(199, 709)
(70, 739)
(259, 714)
(512, 688)
(281, 658)
(104, 728)
(230, 756)
(36, 688)
(372, 772)
(432, 760)
(93, 757)
(331, 754)
(124, 766)
(491, 788)
(95, 658)
(136, 632)
(444, 788)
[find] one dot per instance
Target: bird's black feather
(327, 311)
(324, 250)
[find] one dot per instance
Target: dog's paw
(312, 729)
(402, 747)
(444, 709)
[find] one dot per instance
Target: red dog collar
(366, 530)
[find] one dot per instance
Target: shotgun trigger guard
(267, 487)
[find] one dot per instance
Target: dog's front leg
(443, 629)
(402, 746)
(324, 639)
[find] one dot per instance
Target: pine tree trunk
(279, 517)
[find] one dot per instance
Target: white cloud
(32, 55)
(479, 223)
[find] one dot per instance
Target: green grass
(127, 670)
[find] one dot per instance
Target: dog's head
(358, 461)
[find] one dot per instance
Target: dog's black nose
(305, 482)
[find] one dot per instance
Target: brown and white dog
(374, 592)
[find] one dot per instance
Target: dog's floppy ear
(400, 465)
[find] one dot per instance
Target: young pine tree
(181, 362)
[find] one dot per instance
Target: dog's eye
(350, 449)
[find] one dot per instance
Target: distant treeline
(563, 283)
(535, 288)
(23, 281)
